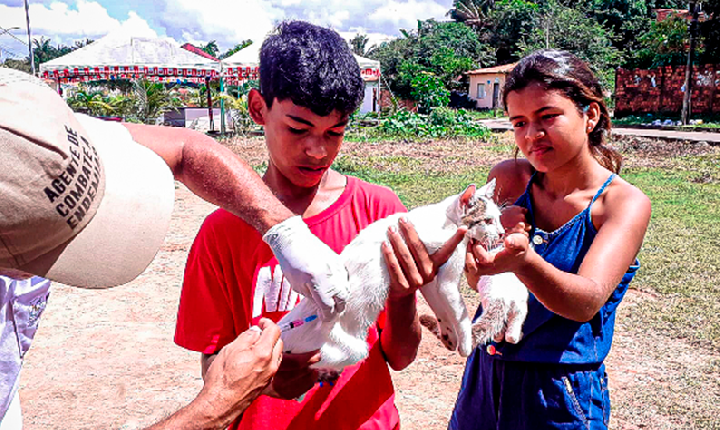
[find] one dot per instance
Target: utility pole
(687, 99)
(30, 48)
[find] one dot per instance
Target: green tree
(150, 100)
(358, 44)
(570, 30)
(710, 33)
(509, 21)
(242, 45)
(90, 102)
(210, 48)
(429, 91)
(444, 49)
(14, 63)
(663, 45)
(474, 13)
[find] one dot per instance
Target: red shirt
(232, 279)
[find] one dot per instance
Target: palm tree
(152, 100)
(90, 102)
(358, 43)
(211, 48)
(43, 50)
(242, 45)
(472, 12)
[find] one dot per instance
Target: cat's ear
(467, 195)
(488, 190)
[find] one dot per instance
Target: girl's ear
(592, 115)
(467, 195)
(488, 190)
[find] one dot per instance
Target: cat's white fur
(504, 301)
(342, 341)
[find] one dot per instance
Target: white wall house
(486, 85)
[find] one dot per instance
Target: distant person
(309, 85)
(86, 203)
(587, 225)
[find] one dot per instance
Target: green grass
(681, 255)
(407, 177)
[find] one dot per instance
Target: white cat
(342, 341)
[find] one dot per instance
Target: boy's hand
(409, 264)
(294, 377)
(313, 269)
(242, 370)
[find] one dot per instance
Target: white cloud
(327, 18)
(227, 21)
(63, 24)
(404, 14)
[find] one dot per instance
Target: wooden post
(687, 96)
(209, 101)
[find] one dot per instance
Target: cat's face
(480, 214)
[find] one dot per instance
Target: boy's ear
(256, 106)
(467, 195)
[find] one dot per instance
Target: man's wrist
(269, 219)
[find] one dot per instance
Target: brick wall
(661, 90)
(386, 102)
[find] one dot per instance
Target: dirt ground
(106, 359)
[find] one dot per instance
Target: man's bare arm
(214, 173)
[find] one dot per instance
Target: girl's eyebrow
(537, 112)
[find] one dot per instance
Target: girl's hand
(294, 377)
(512, 216)
(480, 262)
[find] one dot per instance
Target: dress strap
(602, 189)
(530, 182)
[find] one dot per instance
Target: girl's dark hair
(564, 72)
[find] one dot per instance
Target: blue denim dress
(554, 378)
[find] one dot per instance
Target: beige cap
(80, 202)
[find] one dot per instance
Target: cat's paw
(443, 331)
(430, 323)
(504, 301)
(491, 324)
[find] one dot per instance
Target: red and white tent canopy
(242, 65)
(118, 56)
(245, 64)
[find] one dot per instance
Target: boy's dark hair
(312, 66)
(564, 72)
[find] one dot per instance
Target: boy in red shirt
(309, 85)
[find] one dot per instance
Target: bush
(441, 122)
(429, 91)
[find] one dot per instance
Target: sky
(199, 21)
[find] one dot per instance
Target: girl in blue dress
(586, 226)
